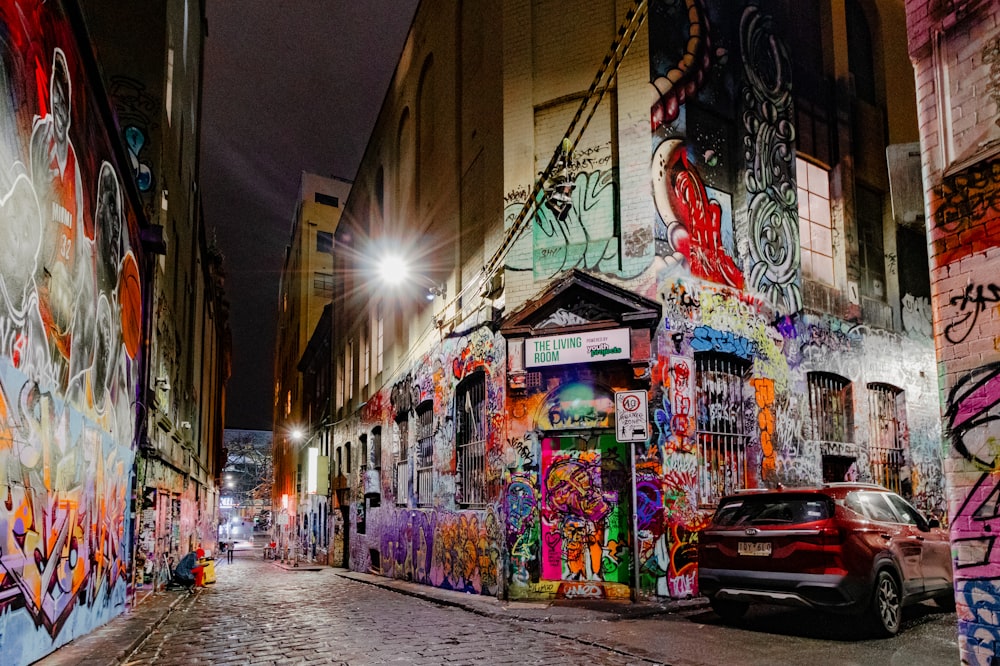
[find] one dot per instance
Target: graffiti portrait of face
(60, 98)
(572, 490)
(20, 235)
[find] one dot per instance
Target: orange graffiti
(766, 422)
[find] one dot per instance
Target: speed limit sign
(631, 424)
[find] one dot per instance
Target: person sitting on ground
(184, 573)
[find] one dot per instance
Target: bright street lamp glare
(393, 269)
(296, 434)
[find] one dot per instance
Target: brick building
(690, 200)
(955, 49)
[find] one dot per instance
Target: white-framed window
(722, 393)
(815, 221)
(378, 331)
(349, 370)
(425, 453)
(366, 364)
(887, 452)
(470, 440)
(831, 406)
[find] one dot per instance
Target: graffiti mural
(70, 336)
(768, 145)
(584, 529)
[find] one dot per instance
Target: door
(586, 513)
(901, 539)
(935, 551)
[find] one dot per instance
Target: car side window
(877, 507)
(909, 515)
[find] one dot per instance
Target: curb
(546, 611)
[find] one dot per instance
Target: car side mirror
(933, 522)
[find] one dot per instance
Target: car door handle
(885, 536)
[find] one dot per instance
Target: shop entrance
(586, 508)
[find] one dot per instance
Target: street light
(394, 270)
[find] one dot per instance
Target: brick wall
(954, 49)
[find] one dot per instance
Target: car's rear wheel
(727, 609)
(886, 610)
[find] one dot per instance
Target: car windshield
(769, 510)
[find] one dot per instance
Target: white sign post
(631, 424)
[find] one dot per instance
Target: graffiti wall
(968, 339)
(436, 534)
(70, 312)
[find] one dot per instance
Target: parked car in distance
(841, 547)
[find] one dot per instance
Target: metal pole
(635, 527)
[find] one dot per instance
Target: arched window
(722, 392)
(831, 405)
(470, 440)
(425, 453)
(888, 438)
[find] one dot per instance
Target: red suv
(842, 547)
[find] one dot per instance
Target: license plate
(755, 548)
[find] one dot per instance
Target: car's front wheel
(885, 613)
(727, 609)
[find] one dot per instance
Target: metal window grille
(470, 439)
(377, 448)
(402, 476)
(831, 403)
(888, 424)
(425, 454)
(723, 392)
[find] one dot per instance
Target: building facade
(301, 438)
(151, 58)
(955, 49)
(73, 295)
(732, 256)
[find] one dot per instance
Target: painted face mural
(70, 313)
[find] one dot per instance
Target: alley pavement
(261, 612)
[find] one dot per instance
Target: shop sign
(586, 347)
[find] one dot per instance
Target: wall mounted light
(163, 383)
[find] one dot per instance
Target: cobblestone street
(258, 613)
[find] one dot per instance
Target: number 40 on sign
(631, 424)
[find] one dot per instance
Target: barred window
(377, 448)
(887, 453)
(831, 404)
(425, 453)
(723, 391)
(402, 476)
(470, 440)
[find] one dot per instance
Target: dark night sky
(289, 87)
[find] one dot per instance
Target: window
(324, 241)
(425, 453)
(340, 385)
(887, 455)
(722, 394)
(377, 448)
(378, 338)
(349, 370)
(815, 222)
(470, 440)
(340, 461)
(326, 200)
(402, 477)
(871, 253)
(363, 460)
(366, 365)
(831, 404)
(347, 448)
(323, 284)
